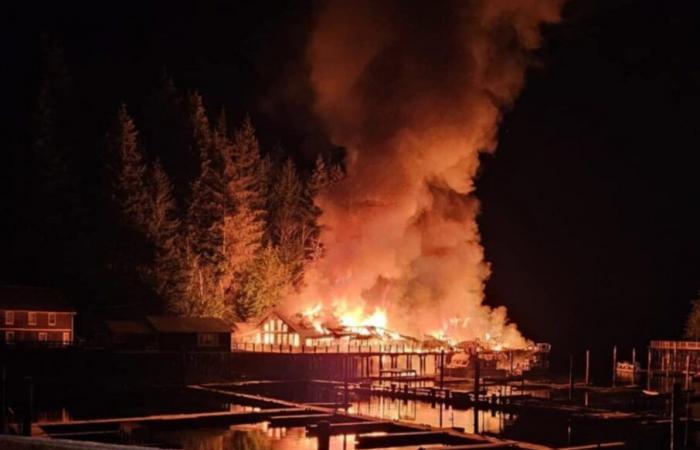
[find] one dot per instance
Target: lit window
(42, 336)
(65, 338)
(9, 336)
(52, 319)
(9, 317)
(32, 318)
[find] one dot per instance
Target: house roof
(31, 298)
(172, 324)
(295, 325)
(127, 327)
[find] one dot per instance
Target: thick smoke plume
(415, 91)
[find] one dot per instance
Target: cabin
(190, 333)
(35, 316)
(278, 329)
(128, 335)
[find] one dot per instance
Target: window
(65, 338)
(9, 336)
(9, 317)
(42, 336)
(32, 318)
(52, 319)
(208, 339)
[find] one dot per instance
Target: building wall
(194, 341)
(36, 326)
(275, 332)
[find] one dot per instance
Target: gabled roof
(294, 325)
(173, 324)
(127, 327)
(30, 298)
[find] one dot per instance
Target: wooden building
(129, 334)
(278, 329)
(190, 333)
(35, 315)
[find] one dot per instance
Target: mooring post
(28, 406)
(477, 375)
(3, 399)
(676, 416)
(588, 368)
(614, 365)
(650, 372)
(510, 356)
(323, 434)
(571, 377)
(442, 369)
(688, 418)
(477, 388)
(345, 396)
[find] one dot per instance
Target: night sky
(589, 205)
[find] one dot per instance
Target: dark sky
(589, 204)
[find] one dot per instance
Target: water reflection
(436, 415)
(251, 437)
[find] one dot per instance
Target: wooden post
(676, 416)
(28, 406)
(477, 388)
(477, 376)
(614, 365)
(634, 360)
(571, 377)
(650, 370)
(510, 356)
(345, 396)
(588, 367)
(323, 434)
(687, 371)
(442, 369)
(3, 399)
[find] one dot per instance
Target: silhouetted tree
(169, 273)
(205, 216)
(128, 169)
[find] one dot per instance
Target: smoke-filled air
(414, 91)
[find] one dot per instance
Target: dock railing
(321, 349)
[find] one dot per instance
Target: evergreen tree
(205, 216)
(244, 223)
(287, 220)
(169, 272)
(263, 285)
(128, 168)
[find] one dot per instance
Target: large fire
(414, 91)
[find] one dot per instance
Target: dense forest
(180, 212)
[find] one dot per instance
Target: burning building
(277, 330)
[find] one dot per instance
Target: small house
(278, 329)
(190, 333)
(35, 315)
(129, 334)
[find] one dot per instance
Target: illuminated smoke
(415, 91)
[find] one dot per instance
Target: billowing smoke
(415, 90)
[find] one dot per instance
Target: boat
(628, 367)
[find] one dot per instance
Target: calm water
(252, 437)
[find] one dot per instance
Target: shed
(129, 334)
(193, 333)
